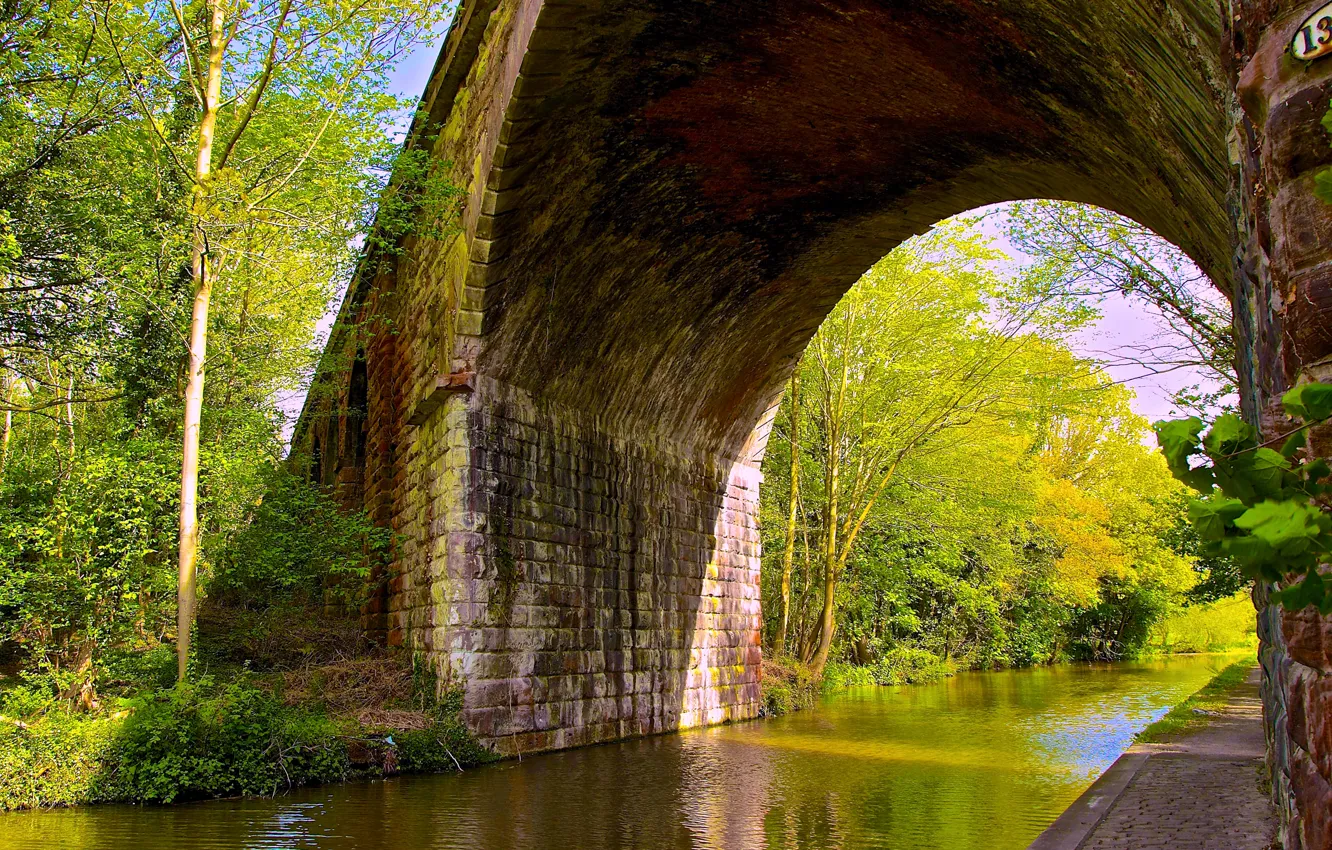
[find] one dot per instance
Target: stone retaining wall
(1283, 307)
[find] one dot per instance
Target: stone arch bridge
(561, 406)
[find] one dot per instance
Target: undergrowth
(336, 711)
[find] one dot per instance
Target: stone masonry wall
(584, 588)
(1283, 308)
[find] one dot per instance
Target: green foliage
(1260, 507)
(85, 551)
(1025, 525)
(206, 739)
(788, 686)
(1216, 626)
(1119, 624)
(53, 760)
(909, 666)
(1095, 254)
(99, 117)
(1219, 577)
(445, 746)
(200, 740)
(298, 544)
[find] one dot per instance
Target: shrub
(901, 665)
(787, 686)
(188, 743)
(840, 674)
(298, 544)
(906, 665)
(86, 559)
(53, 760)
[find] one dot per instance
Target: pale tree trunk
(788, 558)
(194, 388)
(834, 409)
(69, 421)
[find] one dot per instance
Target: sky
(1122, 324)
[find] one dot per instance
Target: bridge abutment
(1283, 312)
(584, 587)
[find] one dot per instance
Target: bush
(787, 686)
(25, 701)
(195, 741)
(86, 560)
(898, 666)
(447, 745)
(298, 544)
(909, 666)
(840, 674)
(53, 760)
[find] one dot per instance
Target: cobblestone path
(1201, 792)
(1188, 802)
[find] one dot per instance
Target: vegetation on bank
(1194, 712)
(312, 703)
(170, 174)
(949, 486)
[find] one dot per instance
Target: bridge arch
(566, 398)
(682, 191)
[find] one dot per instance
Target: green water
(984, 760)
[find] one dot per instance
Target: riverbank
(1194, 781)
(978, 761)
(307, 704)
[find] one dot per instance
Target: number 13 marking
(1313, 40)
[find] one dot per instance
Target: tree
(281, 97)
(1096, 253)
(792, 514)
(930, 341)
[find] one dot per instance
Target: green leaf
(1292, 445)
(1316, 470)
(1229, 435)
(1311, 591)
(1290, 528)
(1310, 402)
(1269, 473)
(1253, 556)
(1179, 441)
(1211, 519)
(1323, 185)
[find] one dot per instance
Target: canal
(983, 760)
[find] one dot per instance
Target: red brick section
(1283, 306)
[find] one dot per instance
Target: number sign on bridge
(1313, 40)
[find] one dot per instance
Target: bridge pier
(585, 587)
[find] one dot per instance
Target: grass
(1195, 712)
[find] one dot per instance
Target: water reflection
(984, 760)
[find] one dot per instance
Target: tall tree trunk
(194, 388)
(826, 620)
(6, 385)
(69, 421)
(834, 411)
(788, 558)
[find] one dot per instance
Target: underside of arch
(564, 400)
